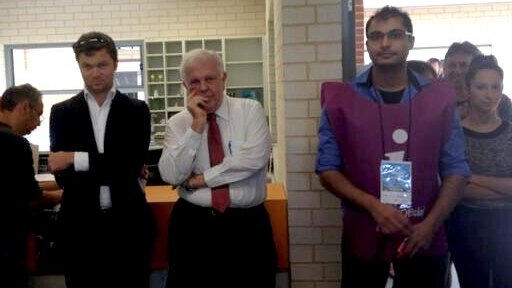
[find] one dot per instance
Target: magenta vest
(355, 121)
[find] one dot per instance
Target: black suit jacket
(126, 143)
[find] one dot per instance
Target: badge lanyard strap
(381, 120)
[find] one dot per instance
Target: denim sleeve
(329, 155)
(453, 157)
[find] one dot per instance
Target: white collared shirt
(99, 115)
(246, 142)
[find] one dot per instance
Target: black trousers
(106, 254)
(232, 249)
(420, 271)
(13, 272)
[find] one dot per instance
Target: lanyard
(381, 122)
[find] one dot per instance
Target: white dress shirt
(246, 142)
(99, 115)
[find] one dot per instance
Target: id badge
(396, 182)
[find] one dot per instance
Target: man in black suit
(20, 111)
(99, 140)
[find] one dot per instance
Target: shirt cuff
(81, 161)
(193, 140)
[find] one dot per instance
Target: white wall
(485, 23)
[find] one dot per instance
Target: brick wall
(359, 32)
(307, 52)
(52, 21)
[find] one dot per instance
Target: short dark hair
(387, 12)
(14, 95)
(93, 41)
(465, 47)
(481, 62)
(421, 67)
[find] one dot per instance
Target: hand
(59, 161)
(195, 106)
(193, 182)
(390, 220)
(144, 172)
(420, 239)
(48, 186)
(51, 198)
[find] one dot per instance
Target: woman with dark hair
(480, 234)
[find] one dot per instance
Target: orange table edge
(162, 198)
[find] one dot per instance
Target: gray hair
(197, 55)
(16, 94)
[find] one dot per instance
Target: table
(162, 199)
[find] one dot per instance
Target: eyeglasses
(96, 40)
(395, 34)
(39, 114)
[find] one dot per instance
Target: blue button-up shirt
(329, 156)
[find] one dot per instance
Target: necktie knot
(211, 117)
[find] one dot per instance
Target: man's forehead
(386, 24)
(202, 68)
(459, 57)
(102, 53)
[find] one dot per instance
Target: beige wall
(54, 21)
(307, 52)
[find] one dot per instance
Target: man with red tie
(216, 153)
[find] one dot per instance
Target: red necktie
(220, 194)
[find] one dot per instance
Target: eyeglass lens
(395, 34)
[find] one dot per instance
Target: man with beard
(385, 142)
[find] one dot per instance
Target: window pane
(47, 68)
(128, 74)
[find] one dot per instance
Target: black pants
(107, 253)
(418, 272)
(13, 272)
(481, 246)
(232, 249)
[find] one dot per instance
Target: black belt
(229, 211)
